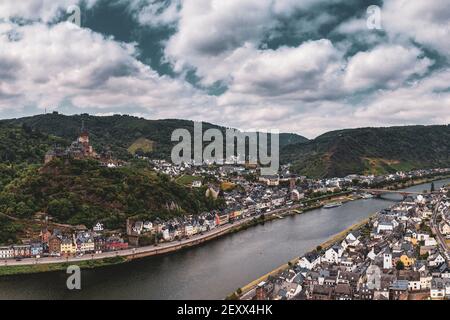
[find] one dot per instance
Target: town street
(147, 250)
(435, 227)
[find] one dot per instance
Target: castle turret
(84, 135)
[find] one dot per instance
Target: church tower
(387, 259)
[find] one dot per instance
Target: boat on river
(332, 205)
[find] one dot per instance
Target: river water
(209, 271)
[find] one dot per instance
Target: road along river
(209, 271)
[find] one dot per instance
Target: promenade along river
(209, 271)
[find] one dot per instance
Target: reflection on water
(209, 271)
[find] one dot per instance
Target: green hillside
(371, 150)
(119, 133)
(22, 144)
(82, 192)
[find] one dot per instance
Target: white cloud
(43, 10)
(212, 32)
(63, 63)
(426, 22)
(158, 13)
(309, 88)
(306, 71)
(385, 66)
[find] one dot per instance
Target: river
(209, 271)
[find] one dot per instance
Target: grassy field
(187, 180)
(15, 270)
(143, 144)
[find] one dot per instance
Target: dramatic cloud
(212, 32)
(426, 22)
(50, 65)
(385, 66)
(299, 66)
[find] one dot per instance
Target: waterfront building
(222, 218)
(37, 249)
(6, 253)
(22, 251)
(54, 245)
(68, 247)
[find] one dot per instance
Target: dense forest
(371, 151)
(116, 133)
(82, 192)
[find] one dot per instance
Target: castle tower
(84, 135)
(291, 184)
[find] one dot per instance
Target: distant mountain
(291, 138)
(336, 153)
(371, 150)
(120, 134)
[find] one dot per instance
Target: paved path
(435, 226)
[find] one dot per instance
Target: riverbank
(417, 182)
(43, 264)
(31, 266)
(325, 245)
(41, 268)
(334, 239)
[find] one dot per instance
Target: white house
(385, 226)
(435, 260)
(196, 184)
(148, 226)
(278, 202)
(6, 253)
(347, 263)
(296, 195)
(351, 240)
(421, 236)
(98, 227)
(166, 234)
(352, 237)
(439, 288)
(430, 242)
(372, 255)
(333, 254)
(309, 261)
(87, 245)
(445, 229)
(188, 230)
(425, 281)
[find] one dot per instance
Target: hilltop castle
(79, 149)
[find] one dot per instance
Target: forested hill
(82, 192)
(336, 153)
(371, 150)
(121, 134)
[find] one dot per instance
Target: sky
(308, 66)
